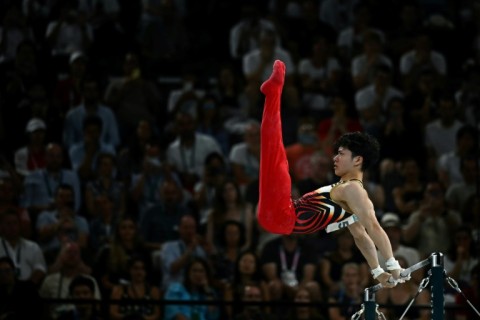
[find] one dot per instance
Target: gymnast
(344, 204)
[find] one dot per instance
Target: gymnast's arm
(368, 233)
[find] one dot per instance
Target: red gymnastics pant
(276, 210)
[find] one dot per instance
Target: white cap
(390, 219)
(76, 55)
(35, 124)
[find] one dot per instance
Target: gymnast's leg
(276, 212)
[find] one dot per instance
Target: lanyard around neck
(283, 260)
(19, 252)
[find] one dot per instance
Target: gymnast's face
(344, 162)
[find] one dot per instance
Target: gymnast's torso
(316, 210)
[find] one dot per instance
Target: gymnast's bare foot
(276, 80)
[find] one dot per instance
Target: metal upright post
(437, 286)
(370, 304)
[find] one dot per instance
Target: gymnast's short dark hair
(360, 144)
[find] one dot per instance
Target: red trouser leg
(276, 212)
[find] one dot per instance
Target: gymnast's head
(361, 145)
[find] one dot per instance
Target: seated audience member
(244, 156)
(304, 312)
(137, 287)
(32, 156)
(102, 227)
(331, 263)
(41, 185)
(426, 228)
(61, 224)
(229, 205)
(196, 285)
(84, 154)
(287, 264)
(110, 265)
(68, 265)
(159, 222)
(106, 184)
(320, 173)
(26, 255)
(187, 153)
(10, 201)
(458, 193)
(82, 288)
(73, 128)
(214, 174)
(252, 293)
(19, 298)
(176, 254)
(247, 272)
(350, 294)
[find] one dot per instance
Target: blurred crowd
(130, 145)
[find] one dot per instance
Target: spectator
(145, 185)
(67, 92)
(252, 293)
(440, 133)
(287, 264)
(73, 128)
(426, 227)
(330, 129)
(84, 154)
(82, 288)
(9, 201)
(422, 56)
(351, 38)
(244, 157)
(458, 194)
(26, 255)
(350, 294)
(245, 33)
(70, 32)
(41, 185)
(187, 153)
(61, 224)
(320, 173)
(247, 271)
(319, 74)
(102, 226)
(304, 312)
(462, 257)
(159, 223)
(364, 64)
(471, 294)
(110, 265)
(196, 286)
(15, 292)
(32, 156)
(215, 173)
(300, 152)
(229, 248)
(392, 225)
(371, 101)
(339, 15)
(332, 262)
(137, 288)
(187, 97)
(133, 98)
(176, 254)
(409, 193)
(449, 167)
(14, 30)
(229, 205)
(131, 155)
(105, 184)
(68, 265)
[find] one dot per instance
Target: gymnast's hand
(385, 280)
